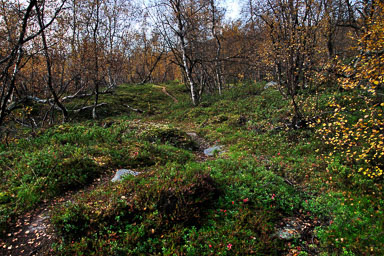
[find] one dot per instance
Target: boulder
(193, 135)
(291, 230)
(212, 150)
(123, 172)
(288, 234)
(270, 84)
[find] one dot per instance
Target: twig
(290, 183)
(84, 95)
(134, 109)
(88, 107)
(22, 123)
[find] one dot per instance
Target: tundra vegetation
(291, 91)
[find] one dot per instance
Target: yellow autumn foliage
(355, 130)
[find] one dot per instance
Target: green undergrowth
(68, 157)
(195, 209)
(231, 204)
(130, 100)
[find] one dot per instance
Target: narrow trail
(164, 90)
(202, 144)
(33, 233)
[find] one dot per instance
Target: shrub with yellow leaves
(355, 129)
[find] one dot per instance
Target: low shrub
(71, 222)
(152, 205)
(166, 134)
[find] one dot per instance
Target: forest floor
(32, 233)
(268, 192)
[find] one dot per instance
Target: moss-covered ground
(235, 203)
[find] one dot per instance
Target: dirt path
(202, 145)
(32, 233)
(164, 90)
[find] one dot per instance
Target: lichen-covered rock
(123, 172)
(270, 84)
(288, 234)
(212, 150)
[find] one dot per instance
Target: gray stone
(212, 150)
(288, 233)
(291, 230)
(270, 84)
(193, 135)
(123, 172)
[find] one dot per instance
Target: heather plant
(183, 202)
(68, 157)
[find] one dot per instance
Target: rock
(199, 142)
(193, 135)
(270, 84)
(288, 234)
(212, 150)
(291, 230)
(123, 172)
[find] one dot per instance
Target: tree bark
(176, 4)
(49, 67)
(15, 55)
(96, 75)
(219, 78)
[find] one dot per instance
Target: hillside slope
(268, 192)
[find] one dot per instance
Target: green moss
(180, 204)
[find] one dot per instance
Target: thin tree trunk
(181, 36)
(96, 78)
(149, 76)
(17, 54)
(11, 87)
(219, 79)
(49, 68)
